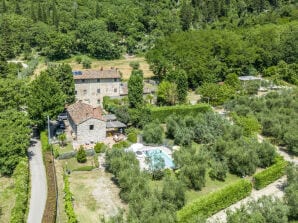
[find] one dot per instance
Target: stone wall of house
(92, 91)
(85, 133)
(72, 124)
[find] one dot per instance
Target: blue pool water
(168, 160)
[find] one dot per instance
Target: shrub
(68, 198)
(161, 113)
(84, 168)
(95, 159)
(21, 177)
(86, 63)
(271, 174)
(100, 147)
(78, 59)
(132, 137)
(81, 155)
(44, 141)
(214, 202)
(153, 133)
(121, 145)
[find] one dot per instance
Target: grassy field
(95, 195)
(73, 164)
(211, 186)
(7, 198)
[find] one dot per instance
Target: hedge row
(49, 214)
(44, 140)
(271, 174)
(214, 202)
(21, 178)
(161, 113)
(68, 201)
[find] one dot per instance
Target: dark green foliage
(192, 166)
(269, 175)
(216, 94)
(21, 179)
(86, 63)
(68, 199)
(63, 75)
(145, 204)
(45, 98)
(161, 113)
(219, 170)
(139, 117)
(291, 191)
(135, 89)
(153, 133)
(276, 112)
(132, 137)
(265, 209)
(214, 202)
(14, 139)
(81, 155)
(242, 157)
(266, 153)
(100, 147)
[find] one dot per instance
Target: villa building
(92, 85)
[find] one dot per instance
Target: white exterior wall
(84, 134)
(108, 87)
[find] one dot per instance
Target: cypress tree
(32, 11)
(39, 13)
(135, 89)
(4, 7)
(97, 11)
(55, 17)
(18, 9)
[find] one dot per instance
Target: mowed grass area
(7, 198)
(64, 149)
(73, 164)
(211, 186)
(121, 64)
(95, 195)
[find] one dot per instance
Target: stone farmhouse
(87, 123)
(92, 85)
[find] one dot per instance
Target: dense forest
(107, 29)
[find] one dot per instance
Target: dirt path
(274, 189)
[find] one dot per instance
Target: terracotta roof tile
(97, 74)
(80, 112)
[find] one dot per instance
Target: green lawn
(7, 198)
(211, 186)
(65, 149)
(73, 164)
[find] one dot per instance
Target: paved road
(38, 183)
(275, 189)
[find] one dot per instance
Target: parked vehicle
(62, 116)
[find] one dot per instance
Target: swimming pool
(168, 160)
